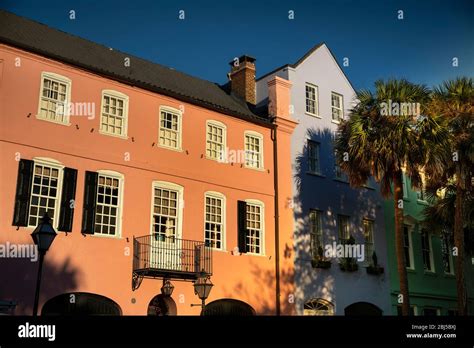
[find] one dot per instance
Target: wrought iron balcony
(158, 256)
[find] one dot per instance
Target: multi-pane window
(253, 151)
(421, 193)
(446, 253)
(54, 98)
(407, 247)
(313, 157)
(339, 173)
(311, 99)
(170, 129)
(254, 238)
(165, 214)
(343, 228)
(337, 106)
(113, 119)
(214, 221)
(316, 233)
(369, 240)
(107, 205)
(215, 141)
(426, 250)
(44, 193)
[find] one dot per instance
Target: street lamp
(167, 288)
(202, 288)
(43, 237)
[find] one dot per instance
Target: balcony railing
(158, 256)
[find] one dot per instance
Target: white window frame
(121, 179)
(221, 125)
(410, 229)
(422, 191)
(218, 195)
(316, 101)
(49, 162)
(318, 156)
(430, 246)
(340, 217)
(168, 186)
(117, 95)
(178, 112)
(368, 258)
(61, 79)
(262, 224)
(317, 233)
(341, 98)
(260, 137)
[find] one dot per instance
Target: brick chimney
(242, 78)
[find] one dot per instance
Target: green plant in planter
(374, 268)
(349, 264)
(319, 261)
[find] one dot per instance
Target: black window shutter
(242, 226)
(66, 213)
(90, 196)
(23, 192)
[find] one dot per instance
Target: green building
(430, 264)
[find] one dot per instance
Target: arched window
(318, 306)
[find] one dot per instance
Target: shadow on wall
(18, 281)
(331, 197)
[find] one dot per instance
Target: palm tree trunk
(459, 244)
(401, 266)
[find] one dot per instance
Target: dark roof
(52, 43)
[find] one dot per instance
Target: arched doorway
(228, 307)
(80, 303)
(161, 305)
(362, 308)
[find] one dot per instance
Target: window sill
(312, 115)
(369, 187)
(253, 168)
(450, 275)
(419, 201)
(253, 254)
(169, 148)
(341, 180)
(430, 273)
(67, 124)
(104, 236)
(316, 174)
(124, 137)
(411, 270)
(335, 121)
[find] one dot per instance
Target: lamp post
(202, 288)
(43, 237)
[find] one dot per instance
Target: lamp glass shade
(202, 287)
(44, 234)
(167, 288)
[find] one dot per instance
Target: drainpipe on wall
(277, 218)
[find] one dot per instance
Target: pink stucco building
(146, 172)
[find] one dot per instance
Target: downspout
(277, 218)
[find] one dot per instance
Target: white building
(326, 209)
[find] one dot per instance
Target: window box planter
(348, 265)
(324, 264)
(375, 270)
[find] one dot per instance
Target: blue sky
(379, 45)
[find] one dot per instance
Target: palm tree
(454, 102)
(375, 143)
